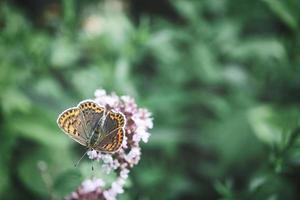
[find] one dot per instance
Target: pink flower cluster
(89, 189)
(138, 122)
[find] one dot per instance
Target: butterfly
(94, 126)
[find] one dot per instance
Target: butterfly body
(94, 126)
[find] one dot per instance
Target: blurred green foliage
(221, 78)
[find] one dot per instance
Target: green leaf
(257, 182)
(272, 126)
(230, 134)
(259, 49)
(6, 149)
(39, 171)
(283, 12)
(96, 77)
(67, 182)
(64, 53)
(15, 100)
(225, 189)
(186, 9)
(31, 175)
(39, 131)
(260, 120)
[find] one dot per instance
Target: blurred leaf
(263, 50)
(31, 175)
(229, 135)
(256, 183)
(261, 121)
(49, 89)
(179, 185)
(96, 79)
(271, 187)
(122, 76)
(168, 140)
(39, 131)
(64, 53)
(67, 182)
(69, 13)
(187, 9)
(7, 145)
(162, 45)
(225, 190)
(16, 24)
(5, 181)
(40, 170)
(282, 11)
(151, 176)
(15, 100)
(273, 126)
(206, 67)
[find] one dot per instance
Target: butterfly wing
(112, 132)
(92, 115)
(112, 121)
(111, 142)
(70, 121)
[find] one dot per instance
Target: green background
(221, 78)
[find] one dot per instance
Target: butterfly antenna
(76, 164)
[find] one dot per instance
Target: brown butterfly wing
(112, 132)
(112, 121)
(111, 142)
(70, 121)
(92, 114)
